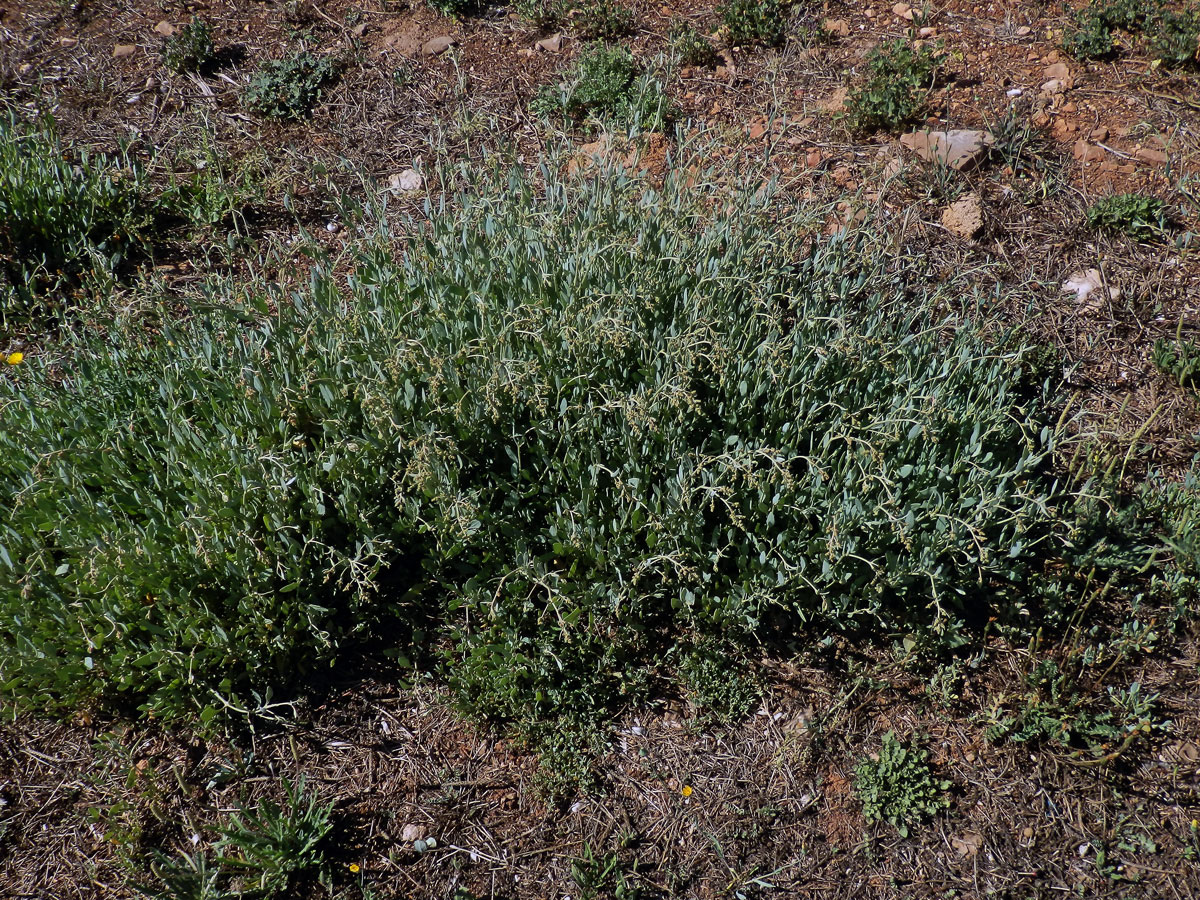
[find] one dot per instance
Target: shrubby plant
(754, 21)
(1137, 215)
(569, 424)
(191, 48)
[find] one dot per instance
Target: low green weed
(1089, 36)
(600, 20)
(749, 22)
(898, 786)
(1180, 359)
(900, 76)
(691, 47)
(191, 49)
(289, 88)
(453, 8)
(262, 852)
(603, 876)
(1136, 215)
(607, 84)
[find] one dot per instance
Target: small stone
(1088, 153)
(813, 158)
(405, 182)
(165, 28)
(758, 129)
(1054, 86)
(928, 31)
(120, 51)
(1150, 156)
(964, 217)
(1027, 832)
(438, 45)
(1060, 71)
(527, 53)
(1041, 118)
(412, 833)
(1099, 133)
(836, 27)
(958, 148)
(903, 10)
(68, 41)
(552, 44)
(1024, 31)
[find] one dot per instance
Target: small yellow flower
(354, 869)
(687, 790)
(14, 359)
(1195, 824)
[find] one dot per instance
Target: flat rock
(122, 50)
(959, 148)
(165, 28)
(836, 27)
(552, 44)
(438, 45)
(964, 217)
(412, 833)
(1151, 156)
(405, 182)
(1088, 153)
(1060, 71)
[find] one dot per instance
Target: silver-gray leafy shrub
(564, 426)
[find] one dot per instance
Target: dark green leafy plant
(289, 88)
(1136, 215)
(453, 8)
(723, 686)
(900, 76)
(1089, 36)
(690, 46)
(603, 876)
(1174, 37)
(191, 48)
(899, 786)
(607, 84)
(750, 22)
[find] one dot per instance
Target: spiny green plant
(289, 88)
(750, 22)
(607, 84)
(1137, 215)
(274, 843)
(898, 786)
(900, 76)
(191, 48)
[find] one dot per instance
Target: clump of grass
(191, 48)
(607, 84)
(899, 786)
(1137, 215)
(749, 22)
(900, 76)
(289, 88)
(65, 216)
